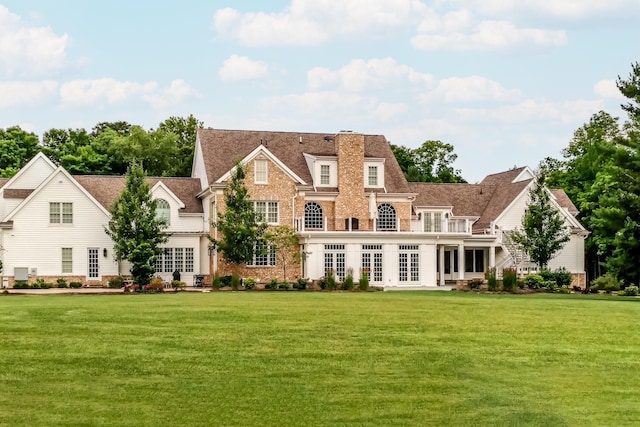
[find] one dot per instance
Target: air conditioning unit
(21, 273)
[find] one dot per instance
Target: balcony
(448, 226)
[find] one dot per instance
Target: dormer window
(163, 211)
(372, 176)
(325, 174)
(374, 173)
(260, 166)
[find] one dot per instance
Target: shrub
(272, 284)
(249, 284)
(75, 285)
(492, 280)
(235, 282)
(550, 285)
(226, 280)
(116, 282)
(534, 281)
(300, 284)
(563, 277)
(46, 285)
(178, 285)
(630, 291)
(509, 279)
(347, 285)
(322, 282)
(607, 283)
(564, 290)
(156, 285)
(217, 282)
(283, 286)
(61, 283)
(547, 275)
(475, 284)
(363, 283)
(21, 284)
(331, 281)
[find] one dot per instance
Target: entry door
(94, 264)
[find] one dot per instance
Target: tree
(431, 162)
(77, 151)
(543, 231)
(186, 129)
(135, 228)
(238, 227)
(17, 147)
(286, 244)
(155, 150)
(630, 88)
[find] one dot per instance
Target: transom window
(372, 176)
(266, 212)
(60, 213)
(260, 171)
(386, 217)
(325, 174)
(313, 217)
(163, 210)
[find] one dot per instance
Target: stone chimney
(351, 201)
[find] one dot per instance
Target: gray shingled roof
(564, 201)
(106, 189)
(222, 148)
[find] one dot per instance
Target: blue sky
(506, 82)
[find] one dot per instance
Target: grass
(321, 359)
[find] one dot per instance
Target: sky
(506, 82)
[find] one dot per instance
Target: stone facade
(351, 201)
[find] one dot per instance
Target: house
(344, 194)
(355, 212)
(52, 225)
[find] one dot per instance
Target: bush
(564, 290)
(363, 283)
(217, 282)
(607, 283)
(534, 281)
(492, 280)
(21, 284)
(347, 285)
(272, 284)
(178, 285)
(75, 285)
(630, 291)
(322, 282)
(300, 284)
(550, 285)
(116, 282)
(156, 285)
(475, 284)
(509, 279)
(226, 280)
(235, 282)
(46, 285)
(284, 286)
(61, 283)
(563, 277)
(249, 284)
(331, 281)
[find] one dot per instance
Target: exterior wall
(33, 174)
(351, 201)
(512, 217)
(183, 241)
(198, 169)
(34, 243)
(571, 256)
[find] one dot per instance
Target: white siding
(199, 170)
(33, 174)
(512, 217)
(571, 256)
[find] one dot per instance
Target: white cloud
(359, 75)
(561, 8)
(459, 31)
(312, 22)
(237, 68)
(28, 49)
(14, 93)
(386, 111)
(111, 91)
(471, 89)
(607, 89)
(177, 92)
(566, 112)
(321, 103)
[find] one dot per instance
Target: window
(60, 213)
(313, 218)
(334, 260)
(260, 171)
(67, 260)
(266, 212)
(432, 222)
(175, 259)
(163, 211)
(264, 255)
(474, 260)
(386, 217)
(325, 175)
(372, 253)
(372, 176)
(409, 263)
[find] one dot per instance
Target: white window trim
(333, 173)
(266, 210)
(379, 165)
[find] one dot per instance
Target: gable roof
(222, 148)
(106, 189)
(564, 201)
(486, 200)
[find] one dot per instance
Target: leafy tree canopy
(431, 162)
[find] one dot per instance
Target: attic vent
(346, 131)
(328, 138)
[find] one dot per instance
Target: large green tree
(137, 232)
(17, 147)
(543, 232)
(155, 150)
(185, 129)
(431, 162)
(238, 228)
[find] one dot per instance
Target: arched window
(313, 216)
(163, 210)
(386, 217)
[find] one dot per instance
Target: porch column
(492, 257)
(461, 266)
(441, 267)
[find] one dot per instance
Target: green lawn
(288, 358)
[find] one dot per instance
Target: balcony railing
(449, 226)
